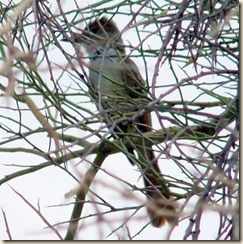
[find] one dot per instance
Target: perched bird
(117, 88)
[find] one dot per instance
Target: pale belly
(106, 77)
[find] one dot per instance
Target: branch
(195, 132)
(37, 211)
(81, 194)
(39, 116)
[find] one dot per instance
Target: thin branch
(6, 224)
(81, 194)
(37, 211)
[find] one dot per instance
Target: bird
(118, 88)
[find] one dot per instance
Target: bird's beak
(75, 38)
(82, 38)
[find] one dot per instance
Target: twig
(81, 194)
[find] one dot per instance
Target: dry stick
(81, 194)
(40, 117)
(159, 136)
(22, 6)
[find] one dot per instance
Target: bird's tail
(160, 206)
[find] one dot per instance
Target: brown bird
(118, 88)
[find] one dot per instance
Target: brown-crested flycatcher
(117, 86)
